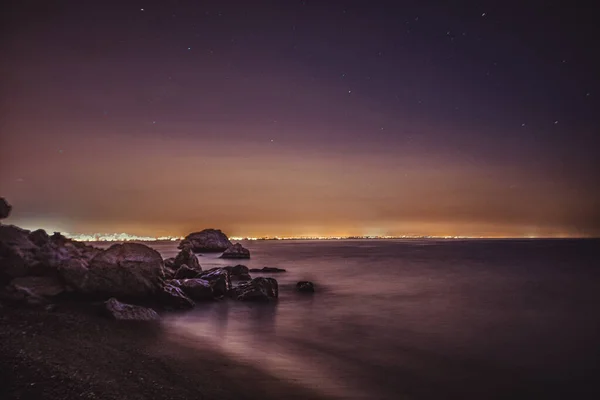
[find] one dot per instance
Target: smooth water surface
(417, 318)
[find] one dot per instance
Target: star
(141, 9)
(556, 122)
(189, 48)
(483, 14)
(523, 124)
(349, 91)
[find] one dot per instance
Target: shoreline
(70, 353)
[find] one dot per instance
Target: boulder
(19, 295)
(305, 286)
(206, 241)
(236, 251)
(41, 286)
(121, 311)
(17, 253)
(39, 237)
(258, 289)
(129, 270)
(219, 279)
(268, 270)
(170, 262)
(74, 274)
(187, 257)
(173, 297)
(195, 289)
(185, 272)
(239, 273)
(5, 208)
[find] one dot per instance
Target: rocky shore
(58, 297)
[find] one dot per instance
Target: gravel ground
(70, 353)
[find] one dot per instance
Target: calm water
(418, 319)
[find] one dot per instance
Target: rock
(17, 254)
(206, 241)
(239, 273)
(196, 289)
(170, 262)
(187, 257)
(121, 311)
(219, 279)
(258, 289)
(5, 208)
(19, 295)
(129, 270)
(42, 286)
(305, 286)
(39, 237)
(236, 251)
(172, 296)
(185, 272)
(74, 274)
(267, 270)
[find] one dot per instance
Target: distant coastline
(123, 237)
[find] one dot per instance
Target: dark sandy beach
(72, 354)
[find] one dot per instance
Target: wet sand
(70, 353)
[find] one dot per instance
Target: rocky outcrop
(25, 253)
(195, 289)
(258, 289)
(305, 286)
(185, 272)
(219, 280)
(128, 270)
(269, 270)
(173, 297)
(239, 273)
(206, 241)
(128, 312)
(5, 208)
(236, 251)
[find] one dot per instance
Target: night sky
(301, 117)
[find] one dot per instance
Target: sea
(417, 319)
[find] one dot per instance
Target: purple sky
(301, 117)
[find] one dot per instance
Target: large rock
(129, 270)
(239, 273)
(258, 289)
(195, 289)
(187, 257)
(173, 297)
(219, 279)
(17, 254)
(236, 251)
(185, 272)
(19, 295)
(5, 208)
(206, 241)
(269, 270)
(121, 311)
(42, 286)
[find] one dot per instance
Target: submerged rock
(258, 289)
(305, 286)
(236, 251)
(219, 279)
(206, 241)
(173, 297)
(130, 270)
(5, 208)
(268, 270)
(196, 289)
(128, 312)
